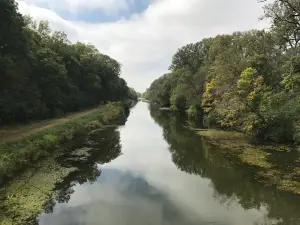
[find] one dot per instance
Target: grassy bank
(276, 165)
(52, 179)
(17, 155)
(19, 131)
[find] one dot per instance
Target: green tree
(285, 17)
(44, 75)
(247, 81)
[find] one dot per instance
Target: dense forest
(246, 81)
(43, 75)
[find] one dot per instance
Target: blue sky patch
(100, 15)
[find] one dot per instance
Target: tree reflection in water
(232, 182)
(99, 147)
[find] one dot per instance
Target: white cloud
(110, 6)
(145, 43)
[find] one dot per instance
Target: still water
(153, 171)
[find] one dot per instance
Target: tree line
(247, 81)
(44, 75)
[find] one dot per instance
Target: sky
(143, 35)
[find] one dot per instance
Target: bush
(281, 114)
(48, 142)
(211, 119)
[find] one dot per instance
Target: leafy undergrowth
(265, 161)
(17, 155)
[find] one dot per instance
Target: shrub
(48, 142)
(281, 113)
(211, 119)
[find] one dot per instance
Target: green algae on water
(264, 159)
(256, 157)
(24, 198)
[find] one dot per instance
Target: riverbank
(51, 180)
(80, 184)
(56, 157)
(17, 132)
(25, 152)
(273, 165)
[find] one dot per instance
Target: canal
(154, 171)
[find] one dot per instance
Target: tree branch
(289, 4)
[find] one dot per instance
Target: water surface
(153, 171)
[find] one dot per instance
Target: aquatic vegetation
(260, 157)
(24, 198)
(290, 185)
(255, 157)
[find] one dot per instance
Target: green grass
(17, 155)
